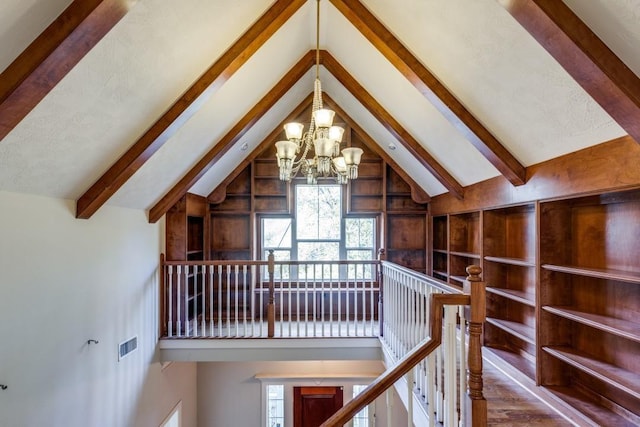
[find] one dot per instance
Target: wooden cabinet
(509, 267)
(590, 301)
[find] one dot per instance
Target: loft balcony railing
(266, 299)
(430, 331)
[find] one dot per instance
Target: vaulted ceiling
(132, 103)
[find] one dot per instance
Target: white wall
(64, 281)
(229, 394)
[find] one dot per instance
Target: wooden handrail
(475, 400)
(389, 377)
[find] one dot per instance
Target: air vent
(127, 347)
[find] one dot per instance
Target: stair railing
(442, 308)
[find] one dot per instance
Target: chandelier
(322, 140)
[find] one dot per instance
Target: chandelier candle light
(322, 136)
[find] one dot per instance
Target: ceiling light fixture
(324, 138)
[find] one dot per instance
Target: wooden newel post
(271, 308)
(476, 405)
(382, 255)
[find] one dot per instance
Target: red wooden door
(314, 405)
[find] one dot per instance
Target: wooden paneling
(604, 167)
(230, 232)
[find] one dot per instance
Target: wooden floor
(510, 404)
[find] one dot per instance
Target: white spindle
(203, 300)
(431, 389)
(178, 302)
(253, 300)
(462, 367)
(170, 302)
(244, 300)
(220, 300)
(449, 345)
(290, 318)
(211, 308)
(410, 398)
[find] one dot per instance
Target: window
(361, 419)
(275, 405)
(318, 231)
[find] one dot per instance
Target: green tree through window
(319, 231)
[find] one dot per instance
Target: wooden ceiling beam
(43, 64)
(417, 193)
(186, 106)
(233, 136)
(391, 124)
(219, 193)
(608, 80)
(432, 89)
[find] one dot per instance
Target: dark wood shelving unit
(590, 272)
(406, 224)
(509, 267)
(187, 241)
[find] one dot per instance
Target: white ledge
(263, 349)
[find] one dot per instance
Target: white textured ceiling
(492, 65)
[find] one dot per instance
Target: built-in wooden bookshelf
(563, 293)
(464, 245)
(231, 228)
(440, 251)
(406, 224)
(509, 266)
(187, 240)
(590, 300)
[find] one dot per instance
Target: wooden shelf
(518, 361)
(441, 251)
(518, 296)
(588, 407)
(510, 261)
(441, 273)
(520, 330)
(622, 379)
(606, 274)
(465, 254)
(619, 327)
(460, 279)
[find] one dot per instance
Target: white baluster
(449, 345)
(462, 370)
(211, 315)
(220, 300)
(170, 302)
(194, 272)
(431, 389)
(244, 300)
(178, 301)
(410, 398)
